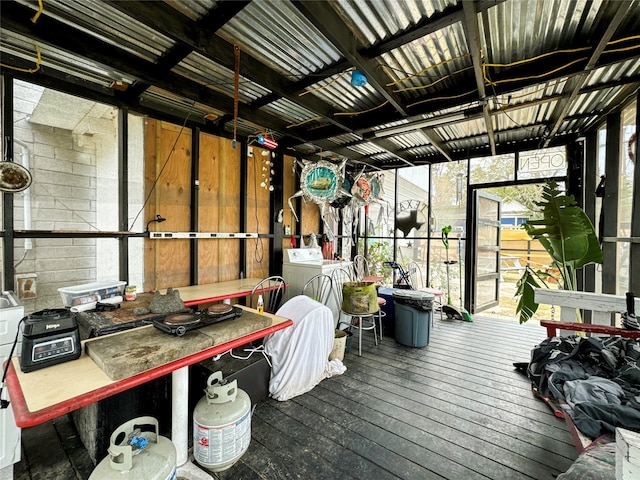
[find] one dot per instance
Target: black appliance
(49, 337)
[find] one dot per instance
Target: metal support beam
(610, 204)
(123, 191)
(195, 196)
(634, 253)
(474, 44)
(8, 244)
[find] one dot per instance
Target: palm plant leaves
(564, 230)
(568, 236)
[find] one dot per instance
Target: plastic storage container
(413, 313)
(91, 292)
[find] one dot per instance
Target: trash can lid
(412, 295)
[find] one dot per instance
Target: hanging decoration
(366, 189)
(410, 214)
(321, 182)
(358, 79)
(267, 171)
(267, 141)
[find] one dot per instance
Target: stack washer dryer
(299, 265)
(11, 312)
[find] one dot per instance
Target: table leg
(180, 426)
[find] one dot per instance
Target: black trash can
(413, 313)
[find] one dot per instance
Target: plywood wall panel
(208, 207)
(229, 209)
(258, 215)
(219, 206)
(167, 180)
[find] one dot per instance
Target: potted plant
(568, 236)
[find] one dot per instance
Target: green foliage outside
(568, 236)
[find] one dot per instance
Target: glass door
(486, 261)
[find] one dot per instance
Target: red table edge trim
(219, 298)
(25, 418)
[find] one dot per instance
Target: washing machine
(11, 312)
(299, 265)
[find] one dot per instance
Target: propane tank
(221, 424)
(136, 453)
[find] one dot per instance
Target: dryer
(299, 265)
(11, 312)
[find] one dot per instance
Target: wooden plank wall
(167, 261)
(219, 209)
(258, 214)
(168, 179)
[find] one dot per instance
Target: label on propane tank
(221, 443)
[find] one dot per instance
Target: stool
(438, 294)
(381, 303)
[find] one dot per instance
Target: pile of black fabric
(596, 380)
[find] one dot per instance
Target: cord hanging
(236, 92)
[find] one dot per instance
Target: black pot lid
(14, 177)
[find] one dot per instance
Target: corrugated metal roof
(293, 113)
(536, 28)
(23, 47)
(217, 77)
(374, 21)
(281, 38)
(339, 93)
(428, 75)
(431, 64)
(194, 9)
(105, 22)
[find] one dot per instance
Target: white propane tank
(136, 453)
(221, 424)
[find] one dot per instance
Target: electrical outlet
(249, 151)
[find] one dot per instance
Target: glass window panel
(492, 169)
(449, 197)
(625, 197)
(412, 215)
(543, 163)
(70, 146)
(47, 264)
(486, 291)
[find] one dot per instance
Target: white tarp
(300, 354)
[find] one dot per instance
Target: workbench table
(45, 394)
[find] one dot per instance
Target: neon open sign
(542, 161)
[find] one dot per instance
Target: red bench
(553, 326)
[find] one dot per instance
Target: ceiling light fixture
(427, 122)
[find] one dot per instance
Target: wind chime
(267, 171)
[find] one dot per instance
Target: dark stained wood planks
(456, 409)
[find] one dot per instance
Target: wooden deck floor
(456, 409)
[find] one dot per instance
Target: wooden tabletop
(44, 394)
(216, 292)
